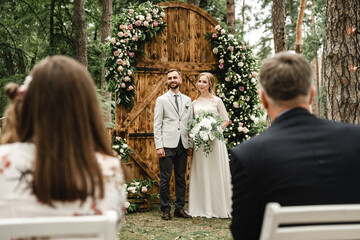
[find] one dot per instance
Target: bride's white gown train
(210, 179)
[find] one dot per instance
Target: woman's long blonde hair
(61, 115)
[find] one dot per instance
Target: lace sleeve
(221, 109)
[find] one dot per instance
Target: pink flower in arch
(113, 40)
(138, 23)
(221, 66)
(127, 79)
(122, 27)
(116, 53)
(131, 54)
(214, 35)
(236, 104)
(231, 48)
(227, 79)
(123, 85)
(144, 189)
(131, 11)
(156, 23)
(130, 88)
(118, 61)
(221, 61)
(120, 34)
(130, 27)
(241, 88)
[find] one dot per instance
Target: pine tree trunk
(316, 106)
(80, 32)
(195, 2)
(51, 37)
(230, 15)
(278, 17)
(105, 32)
(298, 40)
(342, 83)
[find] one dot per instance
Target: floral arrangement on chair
(121, 149)
(131, 30)
(138, 191)
(204, 129)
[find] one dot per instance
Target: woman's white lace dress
(210, 179)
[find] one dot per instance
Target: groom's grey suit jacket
(169, 125)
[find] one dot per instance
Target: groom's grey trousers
(177, 157)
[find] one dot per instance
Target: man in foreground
(300, 159)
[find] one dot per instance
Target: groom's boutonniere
(187, 106)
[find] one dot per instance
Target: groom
(172, 113)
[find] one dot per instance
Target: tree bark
(279, 31)
(52, 11)
(342, 83)
(195, 2)
(298, 40)
(230, 15)
(243, 16)
(80, 32)
(105, 32)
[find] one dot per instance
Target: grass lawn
(149, 225)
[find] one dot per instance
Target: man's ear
(312, 94)
(264, 101)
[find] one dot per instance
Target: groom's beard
(174, 86)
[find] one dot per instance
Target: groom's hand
(160, 152)
(190, 152)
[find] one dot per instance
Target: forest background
(33, 29)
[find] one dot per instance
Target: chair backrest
(330, 222)
(73, 227)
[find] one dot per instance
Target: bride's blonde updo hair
(211, 80)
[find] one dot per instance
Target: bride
(210, 179)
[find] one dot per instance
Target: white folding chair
(73, 227)
(320, 222)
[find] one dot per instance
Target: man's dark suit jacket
(299, 160)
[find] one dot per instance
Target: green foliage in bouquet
(131, 30)
(139, 189)
(204, 129)
(237, 86)
(121, 148)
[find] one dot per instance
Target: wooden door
(182, 46)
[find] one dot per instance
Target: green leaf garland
(237, 85)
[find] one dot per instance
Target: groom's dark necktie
(176, 102)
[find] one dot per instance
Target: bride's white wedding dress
(210, 179)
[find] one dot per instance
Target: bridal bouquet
(204, 129)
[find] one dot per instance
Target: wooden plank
(192, 35)
(176, 35)
(202, 12)
(144, 165)
(163, 67)
(203, 41)
(140, 107)
(171, 38)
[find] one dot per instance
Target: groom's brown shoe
(166, 215)
(181, 213)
